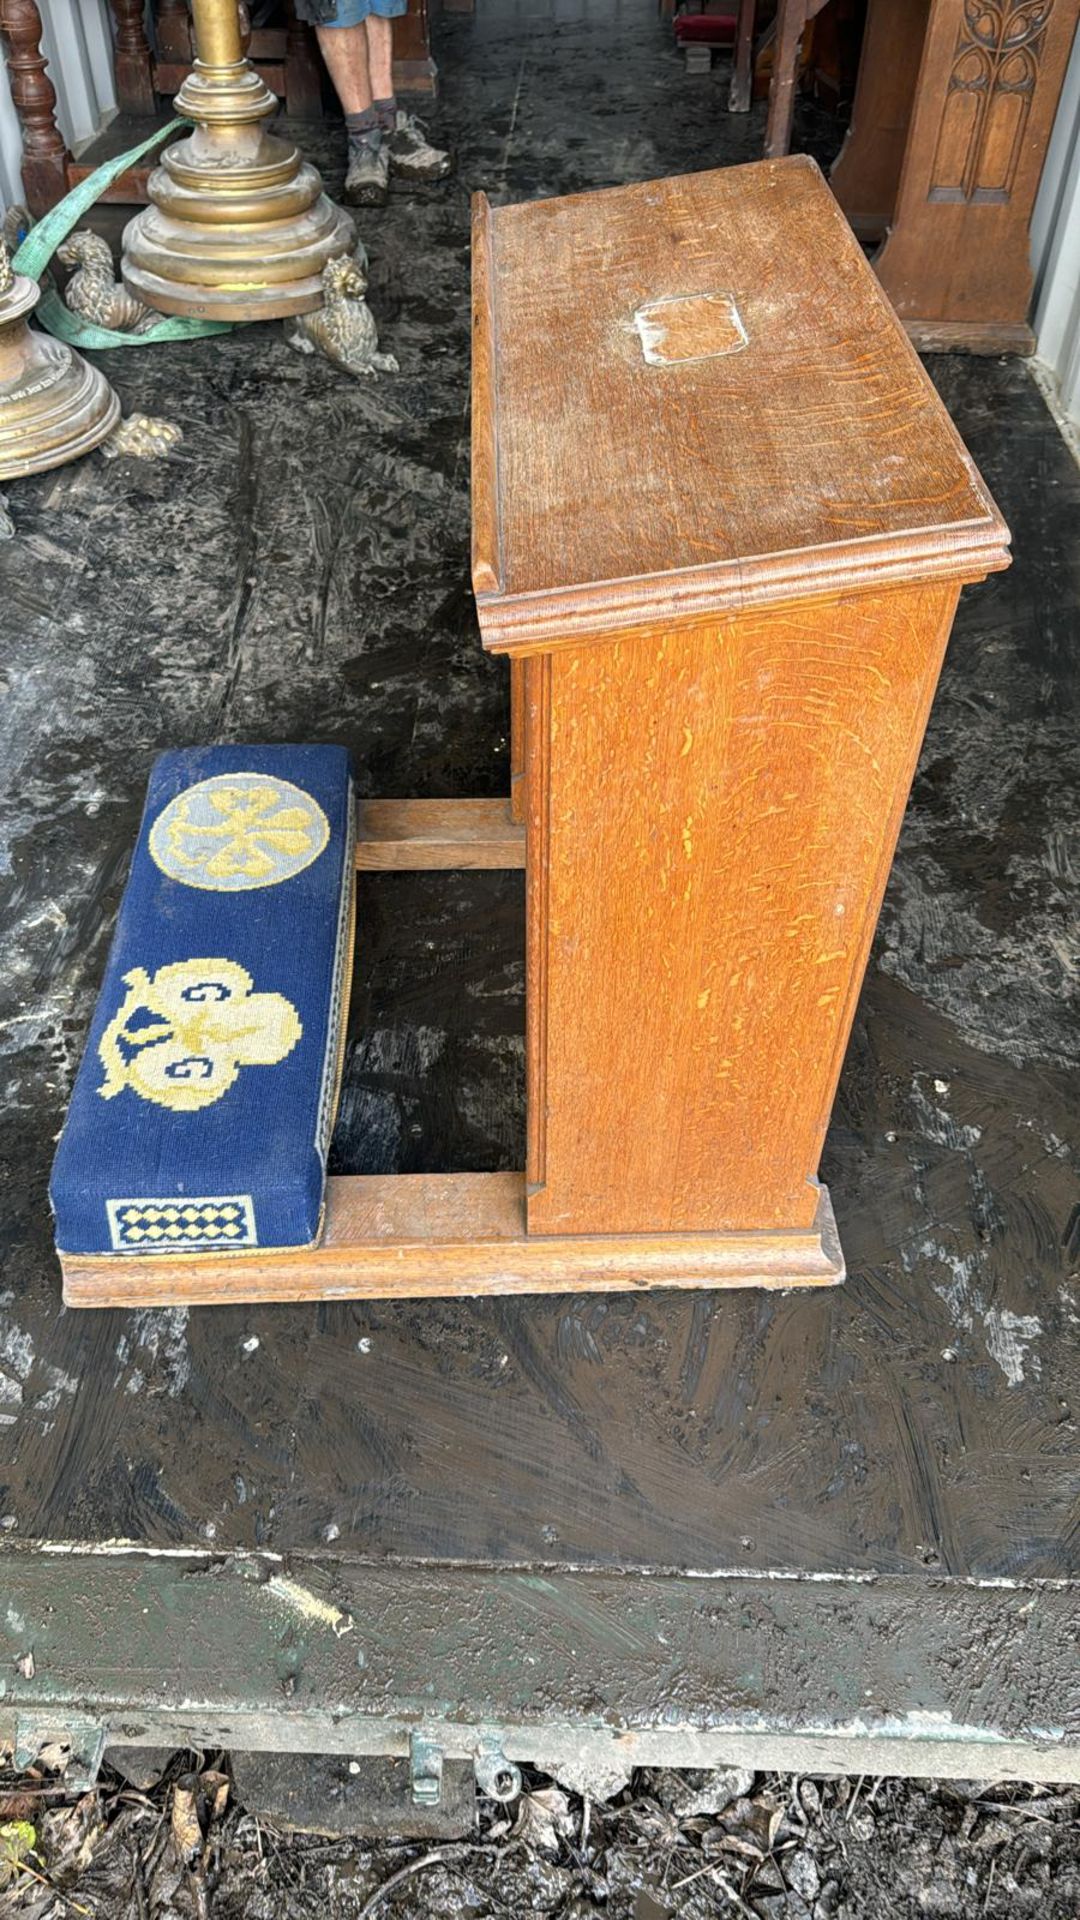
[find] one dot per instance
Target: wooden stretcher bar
(398, 835)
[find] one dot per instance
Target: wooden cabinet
(721, 521)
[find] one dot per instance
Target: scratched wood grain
(701, 905)
(723, 521)
(810, 454)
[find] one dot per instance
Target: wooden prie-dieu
(721, 521)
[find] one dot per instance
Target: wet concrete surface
(299, 570)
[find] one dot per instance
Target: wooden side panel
(866, 175)
(988, 90)
(414, 68)
(711, 819)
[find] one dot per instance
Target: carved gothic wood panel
(990, 93)
(956, 260)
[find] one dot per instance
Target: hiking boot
(412, 157)
(368, 177)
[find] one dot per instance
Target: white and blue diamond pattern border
(172, 1225)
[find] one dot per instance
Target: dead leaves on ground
(167, 1851)
(674, 1846)
(197, 1802)
(544, 1821)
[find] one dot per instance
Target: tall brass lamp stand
(238, 227)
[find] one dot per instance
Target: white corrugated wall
(1055, 248)
(77, 43)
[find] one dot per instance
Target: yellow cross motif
(232, 832)
(253, 828)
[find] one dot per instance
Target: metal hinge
(425, 1770)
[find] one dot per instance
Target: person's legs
(358, 47)
(345, 50)
(345, 46)
(412, 156)
(380, 55)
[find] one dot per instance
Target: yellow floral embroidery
(237, 831)
(183, 1033)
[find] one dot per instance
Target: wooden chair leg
(303, 68)
(45, 156)
(173, 27)
(134, 61)
(791, 18)
(742, 68)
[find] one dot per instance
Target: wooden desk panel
(715, 815)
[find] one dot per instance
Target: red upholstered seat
(714, 29)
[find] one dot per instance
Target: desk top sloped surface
(691, 397)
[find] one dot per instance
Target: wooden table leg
(791, 18)
(172, 23)
(303, 69)
(866, 175)
(133, 63)
(414, 68)
(742, 69)
(45, 156)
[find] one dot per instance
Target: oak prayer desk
(721, 521)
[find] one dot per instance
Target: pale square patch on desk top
(689, 326)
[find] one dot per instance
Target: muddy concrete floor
(667, 1846)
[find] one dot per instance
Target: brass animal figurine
(93, 291)
(14, 227)
(343, 328)
(142, 437)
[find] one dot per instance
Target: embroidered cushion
(201, 1114)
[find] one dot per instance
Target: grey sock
(387, 112)
(363, 129)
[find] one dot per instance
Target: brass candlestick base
(53, 405)
(239, 227)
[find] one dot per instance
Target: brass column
(53, 405)
(238, 227)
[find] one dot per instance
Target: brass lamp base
(238, 227)
(53, 405)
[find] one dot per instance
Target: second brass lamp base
(54, 406)
(238, 227)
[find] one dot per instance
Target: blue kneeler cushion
(201, 1115)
